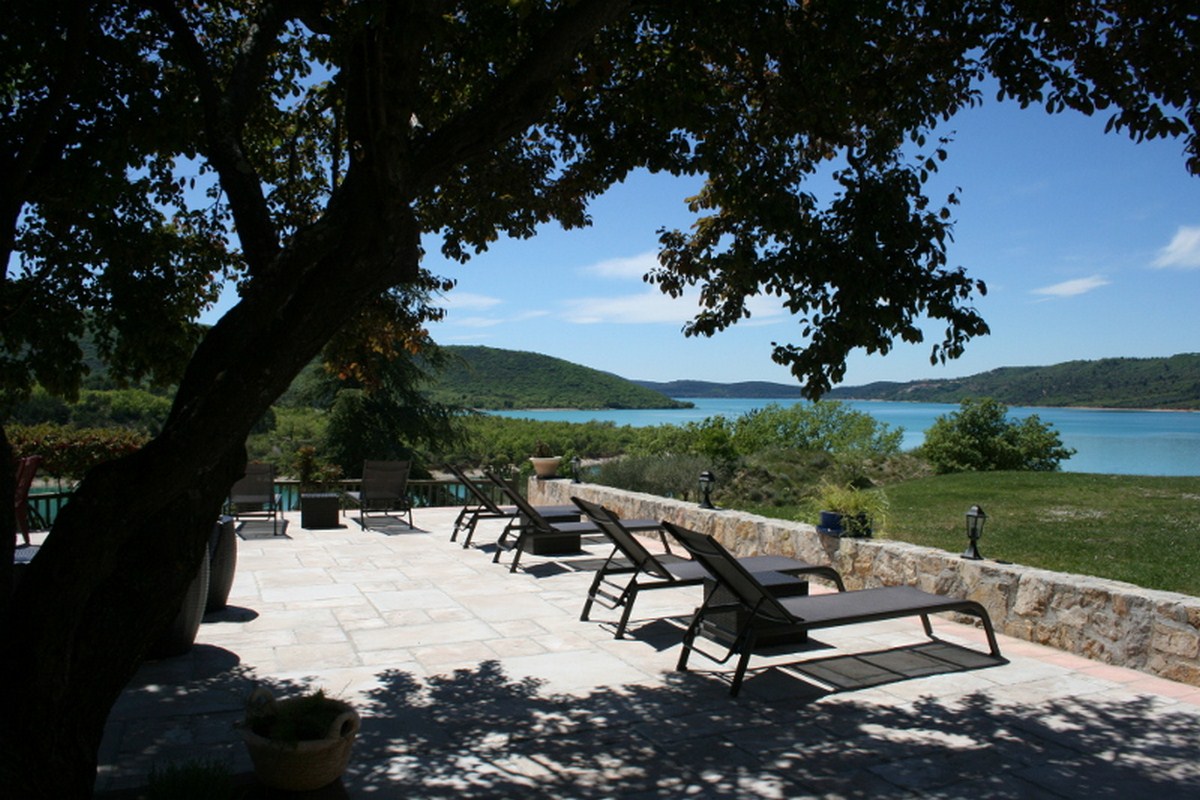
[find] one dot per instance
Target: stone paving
(477, 683)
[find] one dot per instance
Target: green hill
(1159, 383)
(710, 389)
(489, 378)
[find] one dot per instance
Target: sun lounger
(760, 608)
(534, 530)
(637, 569)
(487, 508)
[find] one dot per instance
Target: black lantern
(706, 486)
(975, 520)
(575, 463)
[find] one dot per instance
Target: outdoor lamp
(706, 485)
(975, 520)
(575, 463)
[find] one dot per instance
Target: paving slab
(476, 682)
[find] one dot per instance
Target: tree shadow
(479, 733)
(257, 529)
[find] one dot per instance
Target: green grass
(1141, 530)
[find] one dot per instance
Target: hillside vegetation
(491, 378)
(710, 389)
(1164, 383)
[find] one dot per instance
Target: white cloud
(457, 301)
(631, 267)
(652, 306)
(1073, 287)
(1183, 252)
(491, 322)
(479, 322)
(649, 306)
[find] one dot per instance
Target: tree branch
(225, 116)
(520, 98)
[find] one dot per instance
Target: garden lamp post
(975, 520)
(575, 464)
(706, 485)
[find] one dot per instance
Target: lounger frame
(631, 568)
(803, 613)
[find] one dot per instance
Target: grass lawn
(1141, 530)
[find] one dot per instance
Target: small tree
(979, 437)
(827, 425)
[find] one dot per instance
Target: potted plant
(545, 463)
(319, 504)
(847, 510)
(299, 743)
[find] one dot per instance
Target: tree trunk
(117, 563)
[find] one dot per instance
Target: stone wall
(1113, 622)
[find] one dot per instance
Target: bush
(862, 509)
(829, 426)
(675, 476)
(980, 438)
(70, 452)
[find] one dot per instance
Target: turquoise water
(1114, 442)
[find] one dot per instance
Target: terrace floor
(476, 683)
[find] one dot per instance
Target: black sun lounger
(636, 569)
(532, 526)
(762, 609)
(487, 508)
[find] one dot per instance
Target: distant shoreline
(1021, 405)
(840, 399)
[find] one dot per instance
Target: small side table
(320, 510)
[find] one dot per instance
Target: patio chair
(637, 569)
(254, 495)
(487, 508)
(384, 488)
(26, 469)
(533, 528)
(759, 608)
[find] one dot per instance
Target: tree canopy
(309, 150)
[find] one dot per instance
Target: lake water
(1114, 442)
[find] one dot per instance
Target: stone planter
(546, 467)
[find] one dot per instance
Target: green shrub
(69, 452)
(862, 509)
(980, 438)
(827, 425)
(674, 475)
(127, 408)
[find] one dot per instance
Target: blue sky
(1088, 242)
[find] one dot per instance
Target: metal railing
(422, 493)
